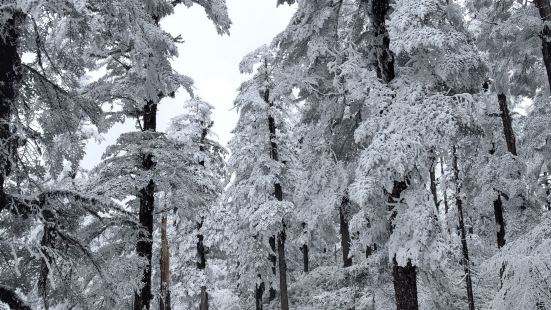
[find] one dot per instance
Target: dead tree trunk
(345, 231)
(164, 300)
(464, 248)
(545, 13)
(144, 246)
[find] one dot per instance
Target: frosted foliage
(526, 262)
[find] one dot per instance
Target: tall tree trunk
(10, 78)
(464, 248)
(511, 148)
(545, 13)
(144, 246)
(278, 194)
(345, 231)
(201, 266)
(164, 300)
(201, 254)
(404, 277)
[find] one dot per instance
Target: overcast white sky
(211, 60)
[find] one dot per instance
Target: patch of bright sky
(211, 61)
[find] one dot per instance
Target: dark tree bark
(383, 54)
(282, 270)
(511, 148)
(304, 250)
(345, 231)
(258, 293)
(464, 248)
(404, 278)
(10, 298)
(201, 253)
(405, 286)
(144, 246)
(272, 257)
(305, 258)
(164, 300)
(278, 194)
(500, 221)
(201, 265)
(545, 13)
(507, 124)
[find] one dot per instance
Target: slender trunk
(511, 148)
(545, 13)
(507, 124)
(305, 258)
(433, 188)
(345, 231)
(164, 300)
(272, 257)
(144, 246)
(464, 248)
(278, 194)
(445, 189)
(258, 293)
(10, 78)
(46, 243)
(282, 270)
(10, 298)
(201, 254)
(304, 250)
(201, 266)
(500, 222)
